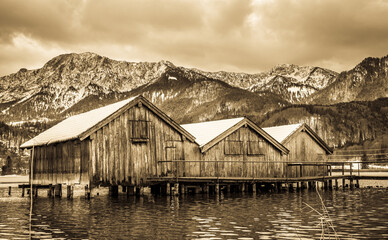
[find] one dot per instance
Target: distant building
(304, 145)
(236, 148)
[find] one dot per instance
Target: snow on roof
(72, 127)
(204, 132)
(280, 133)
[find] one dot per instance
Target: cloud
(235, 35)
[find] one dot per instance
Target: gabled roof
(280, 133)
(83, 125)
(207, 134)
(284, 133)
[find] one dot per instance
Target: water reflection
(358, 214)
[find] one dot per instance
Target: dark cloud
(236, 35)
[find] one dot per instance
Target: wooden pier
(175, 185)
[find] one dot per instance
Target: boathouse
(119, 144)
(236, 148)
(305, 146)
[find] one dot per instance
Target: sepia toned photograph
(194, 119)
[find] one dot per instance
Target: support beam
(351, 183)
(168, 189)
(70, 191)
(58, 190)
(88, 191)
(205, 188)
(217, 188)
(176, 189)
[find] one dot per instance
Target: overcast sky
(243, 36)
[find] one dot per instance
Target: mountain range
(344, 108)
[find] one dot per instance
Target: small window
(233, 147)
(139, 130)
(255, 147)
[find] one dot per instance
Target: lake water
(356, 214)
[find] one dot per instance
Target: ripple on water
(266, 216)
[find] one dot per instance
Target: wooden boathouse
(134, 144)
(119, 144)
(235, 148)
(305, 146)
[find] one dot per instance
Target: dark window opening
(139, 130)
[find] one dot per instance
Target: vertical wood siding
(62, 163)
(235, 150)
(303, 148)
(123, 154)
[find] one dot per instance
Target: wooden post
(254, 188)
(228, 188)
(70, 189)
(36, 191)
(176, 189)
(140, 191)
(297, 185)
(205, 188)
(58, 190)
(9, 190)
(357, 183)
(168, 189)
(330, 184)
(336, 184)
(182, 189)
(23, 191)
(343, 169)
(52, 190)
(279, 186)
(343, 183)
(217, 188)
(351, 183)
(325, 184)
(87, 192)
(301, 170)
(49, 191)
(351, 169)
(290, 187)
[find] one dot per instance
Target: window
(233, 147)
(255, 147)
(139, 130)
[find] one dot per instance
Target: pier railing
(268, 169)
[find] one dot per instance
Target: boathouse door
(173, 166)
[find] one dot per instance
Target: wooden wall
(129, 148)
(303, 148)
(62, 163)
(239, 150)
